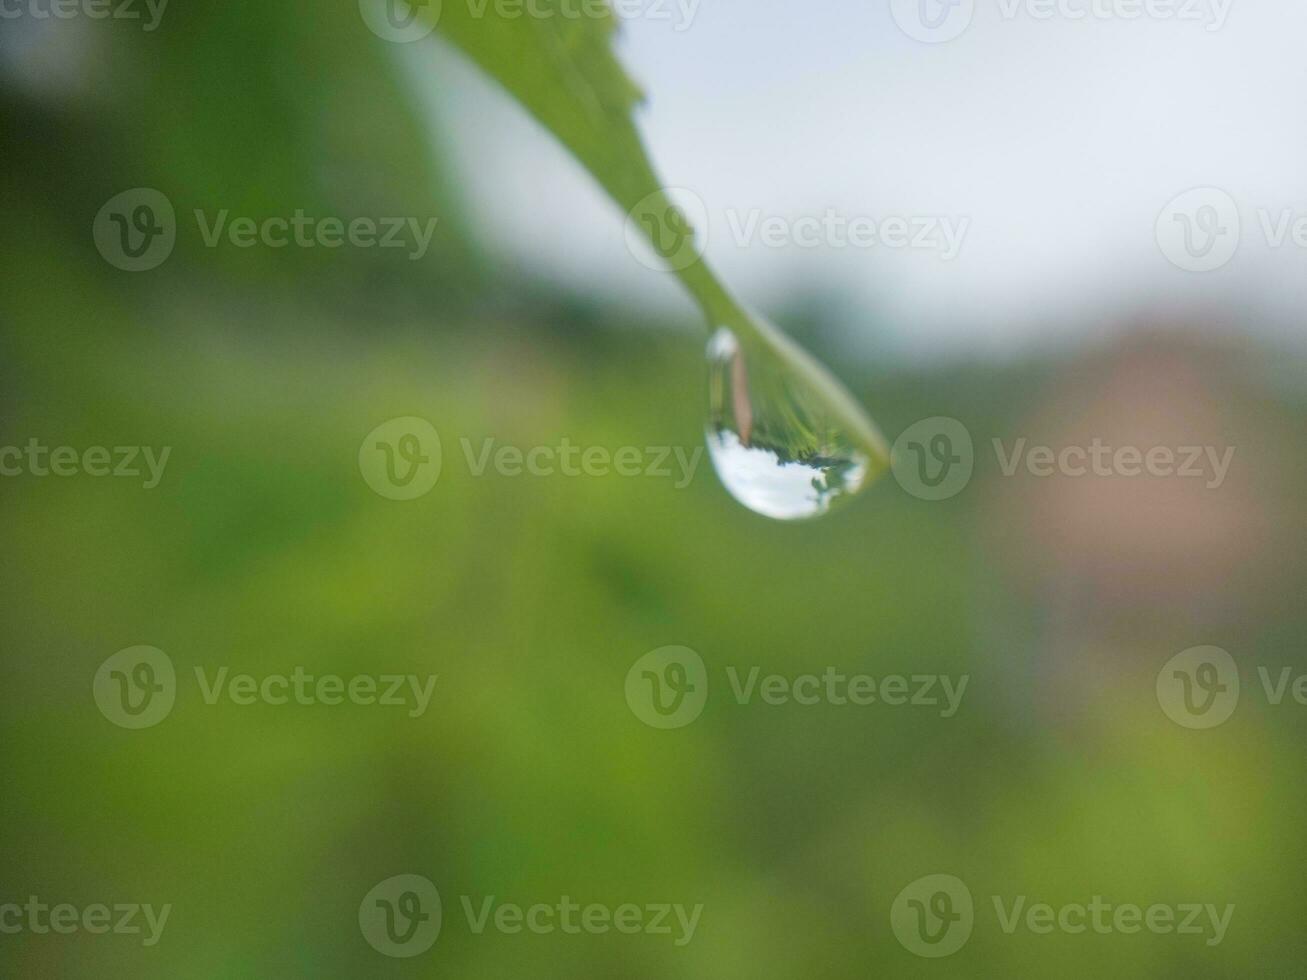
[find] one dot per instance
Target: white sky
(1060, 140)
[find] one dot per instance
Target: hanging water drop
(785, 437)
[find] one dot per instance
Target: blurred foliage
(529, 778)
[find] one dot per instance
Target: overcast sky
(1043, 145)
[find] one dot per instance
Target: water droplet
(787, 440)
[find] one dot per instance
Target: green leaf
(563, 70)
(561, 67)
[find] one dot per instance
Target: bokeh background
(528, 778)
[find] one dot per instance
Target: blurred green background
(528, 778)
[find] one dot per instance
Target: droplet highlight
(787, 441)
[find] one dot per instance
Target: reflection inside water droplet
(778, 429)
